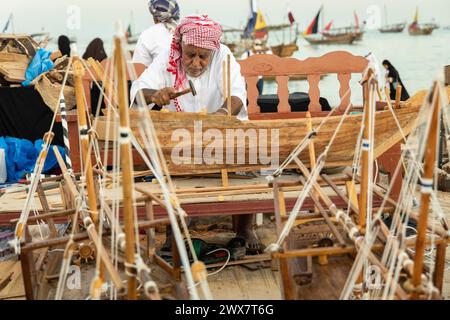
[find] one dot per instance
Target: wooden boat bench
(340, 63)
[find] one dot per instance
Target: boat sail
(391, 28)
(328, 35)
(9, 25)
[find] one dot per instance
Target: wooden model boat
(245, 135)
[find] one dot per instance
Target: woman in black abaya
(393, 78)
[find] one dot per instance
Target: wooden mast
(366, 146)
(79, 71)
(84, 138)
(127, 168)
(427, 189)
(230, 112)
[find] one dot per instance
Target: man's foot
(253, 244)
(243, 225)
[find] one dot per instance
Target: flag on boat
(291, 17)
(129, 32)
(250, 28)
(416, 18)
(261, 31)
(313, 28)
(5, 28)
(328, 26)
(356, 21)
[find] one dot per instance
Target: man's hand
(162, 97)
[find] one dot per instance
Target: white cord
(218, 271)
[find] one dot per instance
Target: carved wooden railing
(342, 63)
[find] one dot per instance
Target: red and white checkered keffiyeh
(199, 31)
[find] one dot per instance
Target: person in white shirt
(197, 55)
(157, 38)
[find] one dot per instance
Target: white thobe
(209, 85)
(151, 43)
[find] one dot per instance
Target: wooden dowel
(283, 266)
(84, 138)
(127, 169)
(427, 189)
(326, 218)
(150, 232)
(333, 186)
(230, 113)
(224, 81)
(439, 269)
(398, 96)
(367, 146)
(84, 236)
(47, 216)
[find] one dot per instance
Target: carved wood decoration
(341, 63)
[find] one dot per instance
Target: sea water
(418, 59)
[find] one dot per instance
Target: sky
(87, 19)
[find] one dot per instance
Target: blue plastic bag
(21, 156)
(41, 63)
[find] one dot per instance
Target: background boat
(329, 35)
(257, 30)
(132, 38)
(418, 29)
(391, 28)
(335, 39)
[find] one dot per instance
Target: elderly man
(157, 39)
(197, 55)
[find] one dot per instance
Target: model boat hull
(199, 144)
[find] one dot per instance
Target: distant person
(64, 45)
(95, 50)
(157, 38)
(393, 79)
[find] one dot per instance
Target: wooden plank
(12, 286)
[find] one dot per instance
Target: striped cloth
(199, 31)
(164, 10)
(65, 127)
